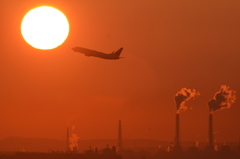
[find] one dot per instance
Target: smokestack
(68, 149)
(177, 145)
(119, 136)
(210, 135)
(221, 100)
(177, 138)
(239, 144)
(180, 98)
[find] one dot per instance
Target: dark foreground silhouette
(107, 153)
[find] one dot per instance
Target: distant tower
(210, 134)
(239, 144)
(68, 148)
(120, 135)
(177, 146)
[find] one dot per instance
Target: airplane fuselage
(94, 53)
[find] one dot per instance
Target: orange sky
(167, 45)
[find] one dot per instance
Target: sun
(44, 27)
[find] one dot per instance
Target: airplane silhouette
(88, 52)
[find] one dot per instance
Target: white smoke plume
(195, 144)
(182, 96)
(73, 140)
(222, 99)
(170, 147)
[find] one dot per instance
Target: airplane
(88, 52)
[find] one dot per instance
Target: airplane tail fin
(118, 52)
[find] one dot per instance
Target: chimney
(177, 142)
(239, 144)
(68, 148)
(211, 139)
(120, 135)
(210, 146)
(177, 146)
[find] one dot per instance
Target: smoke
(196, 143)
(222, 99)
(73, 140)
(170, 147)
(182, 96)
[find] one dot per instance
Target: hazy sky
(167, 45)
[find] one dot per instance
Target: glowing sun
(44, 27)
